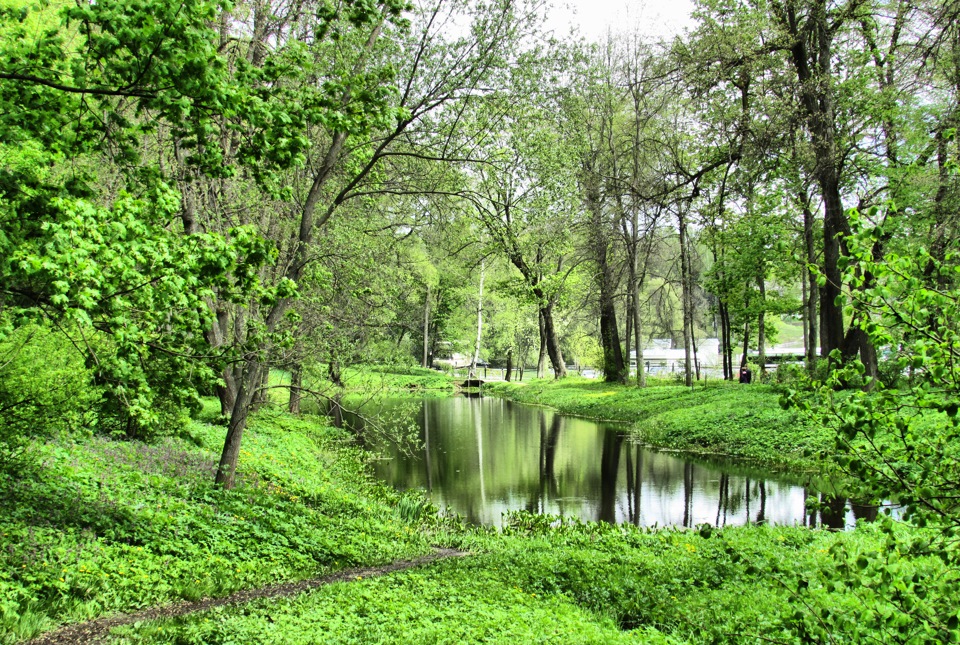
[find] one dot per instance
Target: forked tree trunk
(249, 382)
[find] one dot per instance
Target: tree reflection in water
(482, 457)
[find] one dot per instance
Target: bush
(44, 387)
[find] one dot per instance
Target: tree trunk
(761, 326)
(542, 357)
(227, 393)
(334, 372)
(261, 396)
(811, 58)
(509, 373)
(638, 338)
(805, 316)
(686, 300)
(426, 328)
(628, 333)
(812, 304)
(296, 382)
(613, 367)
(746, 342)
(476, 347)
(724, 341)
(249, 382)
(552, 342)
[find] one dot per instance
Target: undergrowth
(548, 580)
(92, 526)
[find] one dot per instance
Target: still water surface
(482, 457)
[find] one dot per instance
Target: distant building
(660, 356)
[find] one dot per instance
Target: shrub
(44, 387)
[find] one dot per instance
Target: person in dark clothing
(746, 375)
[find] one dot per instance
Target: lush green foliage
(98, 525)
(720, 417)
(43, 389)
(898, 437)
(546, 580)
(95, 526)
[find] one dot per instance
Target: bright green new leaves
(899, 439)
(130, 292)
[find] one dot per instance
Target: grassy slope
(592, 583)
(92, 526)
(100, 526)
(728, 418)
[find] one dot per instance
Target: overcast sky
(595, 17)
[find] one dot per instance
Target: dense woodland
(194, 193)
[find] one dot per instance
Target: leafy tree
(94, 249)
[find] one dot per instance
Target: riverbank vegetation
(196, 196)
(594, 583)
(94, 526)
(744, 421)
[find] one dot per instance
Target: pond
(481, 457)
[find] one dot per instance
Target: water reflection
(482, 457)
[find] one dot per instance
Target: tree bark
(542, 357)
(426, 328)
(761, 325)
(811, 58)
(296, 382)
(552, 342)
(334, 372)
(638, 338)
(746, 342)
(725, 354)
(686, 300)
(476, 347)
(813, 290)
(226, 469)
(509, 373)
(613, 366)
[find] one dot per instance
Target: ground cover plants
(744, 421)
(549, 581)
(92, 526)
(97, 526)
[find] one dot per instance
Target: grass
(543, 581)
(92, 526)
(744, 421)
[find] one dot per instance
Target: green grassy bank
(92, 527)
(744, 421)
(542, 582)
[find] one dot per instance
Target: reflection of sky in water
(484, 457)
